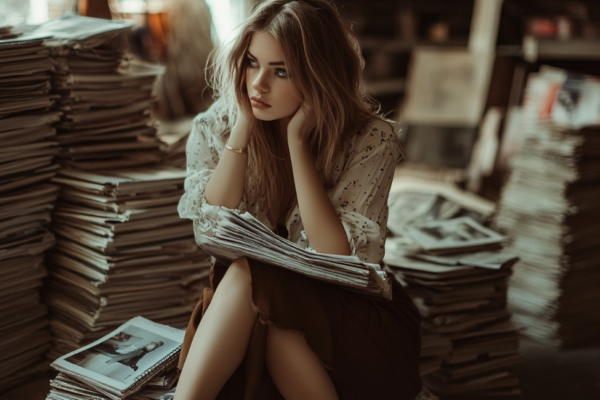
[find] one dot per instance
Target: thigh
(295, 367)
(359, 338)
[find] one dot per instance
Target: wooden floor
(546, 374)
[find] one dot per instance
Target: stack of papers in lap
(549, 209)
(121, 250)
(122, 363)
(106, 103)
(26, 200)
(237, 235)
(456, 274)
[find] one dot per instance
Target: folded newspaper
(237, 235)
(121, 363)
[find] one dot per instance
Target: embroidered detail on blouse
(359, 197)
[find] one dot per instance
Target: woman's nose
(260, 83)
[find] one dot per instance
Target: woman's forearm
(323, 227)
(226, 186)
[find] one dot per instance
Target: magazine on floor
(455, 235)
(237, 235)
(122, 362)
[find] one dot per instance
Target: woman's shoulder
(377, 134)
(215, 120)
(380, 128)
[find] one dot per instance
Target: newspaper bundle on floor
(121, 251)
(237, 235)
(119, 364)
(453, 269)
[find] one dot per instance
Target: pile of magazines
(26, 199)
(121, 250)
(456, 273)
(106, 103)
(137, 360)
(549, 209)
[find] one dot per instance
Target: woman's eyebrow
(271, 63)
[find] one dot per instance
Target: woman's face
(269, 88)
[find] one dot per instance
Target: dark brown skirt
(369, 346)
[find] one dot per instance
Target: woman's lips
(258, 103)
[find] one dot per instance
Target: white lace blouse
(363, 175)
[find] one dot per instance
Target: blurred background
(454, 73)
(496, 98)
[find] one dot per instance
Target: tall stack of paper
(434, 348)
(550, 210)
(106, 103)
(549, 207)
(26, 199)
(121, 251)
(175, 151)
(456, 274)
(174, 135)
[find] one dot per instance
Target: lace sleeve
(203, 151)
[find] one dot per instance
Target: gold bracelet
(239, 150)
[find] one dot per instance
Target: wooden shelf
(385, 87)
(553, 49)
(406, 46)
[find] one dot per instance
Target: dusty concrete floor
(546, 374)
(551, 374)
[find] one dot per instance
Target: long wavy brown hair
(323, 59)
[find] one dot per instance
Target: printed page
(121, 358)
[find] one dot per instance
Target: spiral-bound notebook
(122, 362)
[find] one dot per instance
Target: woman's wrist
(239, 137)
(297, 141)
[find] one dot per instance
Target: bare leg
(295, 368)
(222, 338)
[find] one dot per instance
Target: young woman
(294, 140)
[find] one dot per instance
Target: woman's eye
(252, 62)
(282, 73)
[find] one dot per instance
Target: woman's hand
(301, 124)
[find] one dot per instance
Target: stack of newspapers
(235, 235)
(106, 103)
(550, 210)
(456, 273)
(414, 201)
(121, 250)
(129, 362)
(174, 135)
(434, 348)
(175, 150)
(26, 199)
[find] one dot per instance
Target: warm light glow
(38, 12)
(226, 16)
